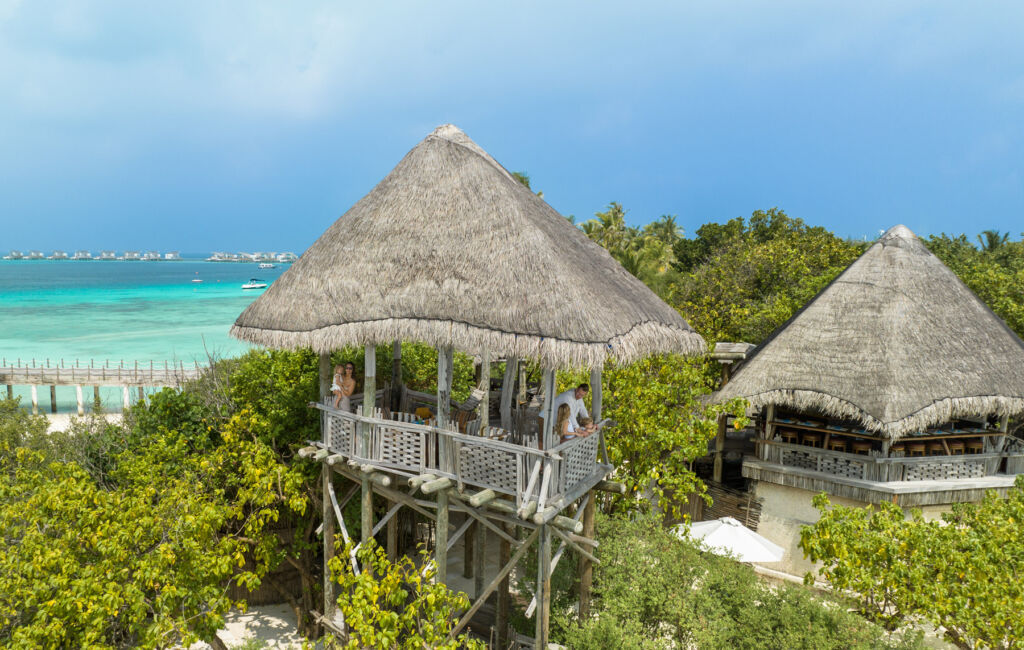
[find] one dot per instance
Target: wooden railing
(874, 468)
(56, 372)
(540, 481)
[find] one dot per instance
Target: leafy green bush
(961, 573)
(653, 591)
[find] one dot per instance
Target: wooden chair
(917, 449)
(956, 448)
(812, 440)
(898, 449)
(975, 446)
(861, 447)
(790, 437)
(837, 444)
(936, 448)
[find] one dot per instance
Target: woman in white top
(343, 387)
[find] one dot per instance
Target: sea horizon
(132, 313)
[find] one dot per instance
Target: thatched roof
(450, 249)
(896, 342)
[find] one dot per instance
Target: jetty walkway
(57, 372)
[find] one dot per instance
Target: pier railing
(57, 372)
(541, 481)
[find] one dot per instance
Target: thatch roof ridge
(451, 249)
(896, 341)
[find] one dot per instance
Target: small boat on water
(266, 265)
(254, 283)
(197, 279)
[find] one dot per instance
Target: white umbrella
(726, 536)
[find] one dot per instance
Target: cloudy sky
(202, 126)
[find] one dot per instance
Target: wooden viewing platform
(35, 373)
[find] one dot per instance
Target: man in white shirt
(574, 398)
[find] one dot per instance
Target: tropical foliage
(396, 605)
(960, 573)
(653, 591)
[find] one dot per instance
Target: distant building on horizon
(107, 255)
(82, 255)
(173, 255)
(287, 257)
(36, 255)
(14, 255)
(59, 255)
(151, 256)
(131, 256)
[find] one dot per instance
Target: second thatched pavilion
(452, 250)
(895, 383)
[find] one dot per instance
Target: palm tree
(992, 240)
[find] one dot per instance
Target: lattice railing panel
(340, 432)
(838, 466)
(801, 459)
(401, 449)
(940, 471)
(579, 461)
(489, 468)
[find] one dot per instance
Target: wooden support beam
(550, 389)
(35, 400)
(324, 373)
(396, 375)
(78, 397)
(719, 461)
(483, 497)
(445, 365)
(392, 538)
(479, 558)
(468, 548)
(586, 565)
(10, 391)
(341, 523)
(95, 397)
(505, 401)
(504, 596)
(441, 537)
(437, 485)
(142, 394)
(479, 518)
(498, 579)
(388, 517)
(330, 604)
(366, 510)
(611, 486)
(308, 451)
(53, 399)
(416, 481)
(485, 385)
(464, 530)
(543, 583)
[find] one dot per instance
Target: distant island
(153, 256)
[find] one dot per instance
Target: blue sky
(204, 126)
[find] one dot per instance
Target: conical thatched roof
(897, 342)
(451, 249)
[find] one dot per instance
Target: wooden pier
(57, 372)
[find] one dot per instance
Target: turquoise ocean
(114, 311)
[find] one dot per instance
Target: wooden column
(53, 399)
(445, 362)
(505, 401)
(328, 521)
(543, 613)
(468, 546)
(441, 537)
(10, 391)
(396, 375)
(35, 400)
(769, 429)
(586, 568)
(78, 394)
(325, 374)
(485, 384)
(545, 436)
(142, 394)
(367, 509)
(720, 437)
(504, 597)
(392, 534)
(522, 382)
(96, 401)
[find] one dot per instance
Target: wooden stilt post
(126, 398)
(392, 535)
(10, 391)
(142, 394)
(468, 546)
(96, 397)
(35, 400)
(586, 568)
(504, 596)
(325, 374)
(367, 509)
(445, 359)
(78, 394)
(479, 559)
(545, 437)
(485, 385)
(53, 399)
(396, 375)
(769, 429)
(328, 520)
(505, 401)
(441, 537)
(522, 382)
(543, 613)
(719, 462)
